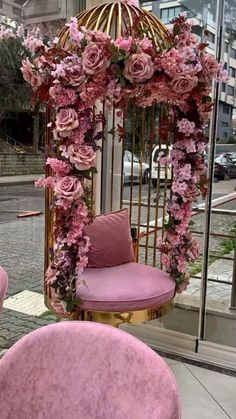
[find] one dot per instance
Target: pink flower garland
(115, 71)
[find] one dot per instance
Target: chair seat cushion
(131, 286)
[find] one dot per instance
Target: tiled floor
(204, 394)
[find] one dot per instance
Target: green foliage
(228, 245)
(14, 91)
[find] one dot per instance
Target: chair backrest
(85, 370)
(3, 286)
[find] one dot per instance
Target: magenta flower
(59, 167)
(185, 126)
(63, 96)
(75, 34)
(124, 43)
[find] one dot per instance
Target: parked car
(132, 160)
(228, 163)
(161, 172)
(219, 169)
(232, 155)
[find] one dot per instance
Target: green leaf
(93, 170)
(113, 48)
(112, 131)
(70, 306)
(206, 99)
(78, 301)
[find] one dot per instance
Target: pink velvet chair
(118, 289)
(3, 286)
(85, 370)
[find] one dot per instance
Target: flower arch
(98, 68)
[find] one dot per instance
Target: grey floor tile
(221, 387)
(170, 361)
(196, 401)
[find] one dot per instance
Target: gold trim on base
(116, 318)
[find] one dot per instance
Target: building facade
(168, 10)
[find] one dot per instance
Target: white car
(160, 171)
(137, 168)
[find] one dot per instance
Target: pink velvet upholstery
(3, 286)
(82, 370)
(131, 286)
(111, 241)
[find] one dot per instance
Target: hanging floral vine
(97, 68)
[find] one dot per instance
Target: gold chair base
(116, 318)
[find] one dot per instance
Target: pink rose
(138, 68)
(210, 65)
(75, 75)
(30, 75)
(183, 83)
(69, 188)
(94, 60)
(124, 43)
(66, 121)
(82, 156)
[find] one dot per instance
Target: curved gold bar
(100, 17)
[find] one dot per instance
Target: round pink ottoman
(85, 370)
(3, 286)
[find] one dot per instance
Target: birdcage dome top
(116, 19)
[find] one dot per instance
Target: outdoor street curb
(17, 182)
(28, 182)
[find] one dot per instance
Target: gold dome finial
(115, 19)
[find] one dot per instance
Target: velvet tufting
(82, 370)
(131, 286)
(3, 287)
(111, 241)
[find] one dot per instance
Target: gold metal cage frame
(114, 19)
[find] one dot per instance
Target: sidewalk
(18, 180)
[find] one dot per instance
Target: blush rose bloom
(138, 68)
(82, 156)
(68, 188)
(66, 121)
(210, 65)
(29, 74)
(75, 75)
(94, 61)
(184, 83)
